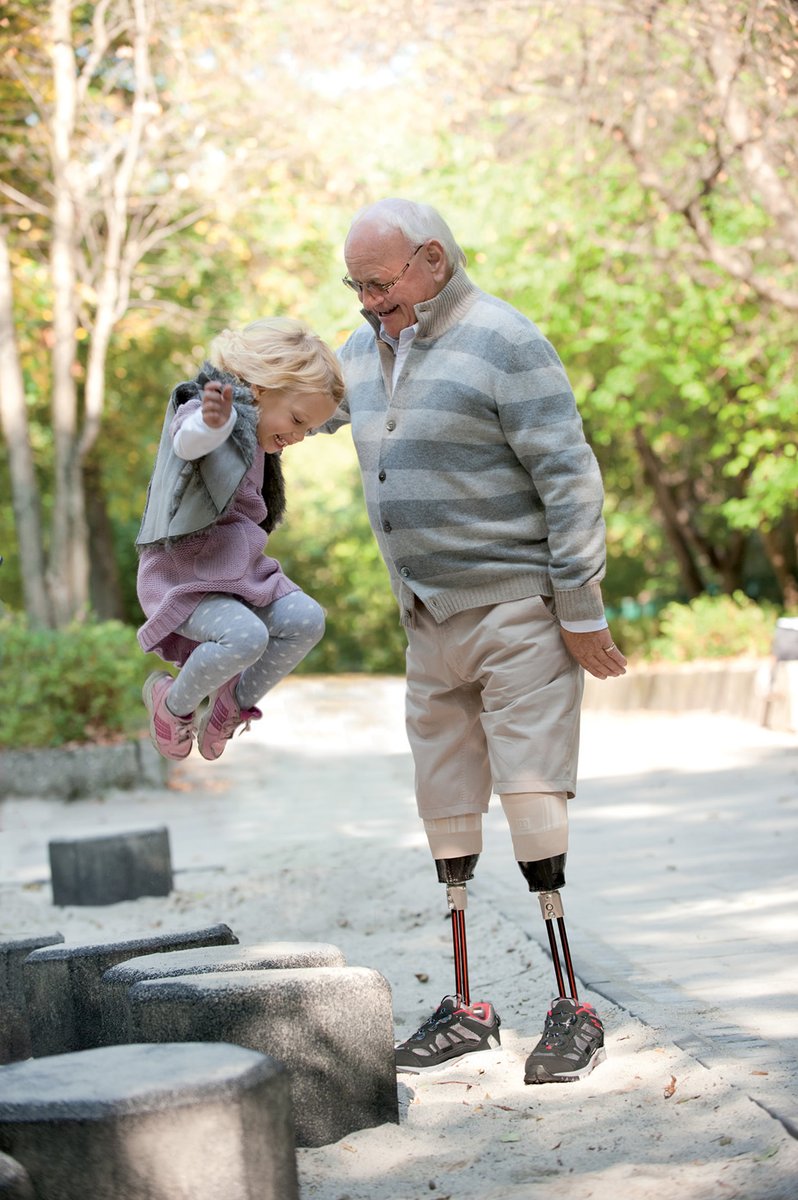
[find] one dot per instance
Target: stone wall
(74, 771)
(760, 690)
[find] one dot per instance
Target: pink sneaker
(221, 719)
(171, 736)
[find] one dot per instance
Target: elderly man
(486, 502)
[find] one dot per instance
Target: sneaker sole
(543, 1076)
(444, 1061)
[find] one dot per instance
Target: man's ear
(436, 259)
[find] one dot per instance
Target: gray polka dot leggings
(262, 645)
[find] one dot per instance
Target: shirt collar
(405, 335)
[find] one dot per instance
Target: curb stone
(76, 771)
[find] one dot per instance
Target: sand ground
(681, 910)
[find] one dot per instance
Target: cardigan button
(390, 425)
(381, 477)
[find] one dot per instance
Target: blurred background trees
(624, 173)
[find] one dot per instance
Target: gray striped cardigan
(479, 483)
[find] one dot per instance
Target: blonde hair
(279, 353)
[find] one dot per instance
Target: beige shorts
(493, 700)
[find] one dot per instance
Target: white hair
(417, 222)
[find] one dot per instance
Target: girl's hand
(217, 404)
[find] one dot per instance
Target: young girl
(215, 604)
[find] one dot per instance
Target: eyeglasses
(379, 289)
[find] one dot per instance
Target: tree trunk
(778, 549)
(692, 580)
(107, 601)
(24, 486)
(68, 571)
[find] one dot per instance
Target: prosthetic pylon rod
(551, 908)
(458, 900)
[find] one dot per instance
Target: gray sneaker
(571, 1046)
(452, 1030)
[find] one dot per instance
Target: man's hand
(596, 652)
(217, 404)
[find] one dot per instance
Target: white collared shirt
(401, 346)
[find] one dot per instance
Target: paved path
(683, 900)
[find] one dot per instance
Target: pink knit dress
(227, 557)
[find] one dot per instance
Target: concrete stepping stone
(63, 984)
(110, 865)
(165, 1122)
(332, 1027)
(15, 1181)
(264, 956)
(14, 1025)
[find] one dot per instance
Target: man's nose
(371, 299)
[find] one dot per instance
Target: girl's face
(286, 416)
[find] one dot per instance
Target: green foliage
(708, 627)
(78, 684)
(635, 635)
(327, 547)
(660, 345)
(683, 379)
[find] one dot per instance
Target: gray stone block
(14, 1024)
(265, 956)
(71, 772)
(15, 1182)
(332, 1027)
(166, 1122)
(111, 865)
(63, 984)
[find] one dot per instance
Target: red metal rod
(460, 956)
(555, 958)
(567, 954)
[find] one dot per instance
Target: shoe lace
(248, 715)
(557, 1028)
(243, 717)
(439, 1017)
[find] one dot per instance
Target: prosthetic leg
(457, 1026)
(573, 1039)
(573, 1036)
(546, 877)
(455, 873)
